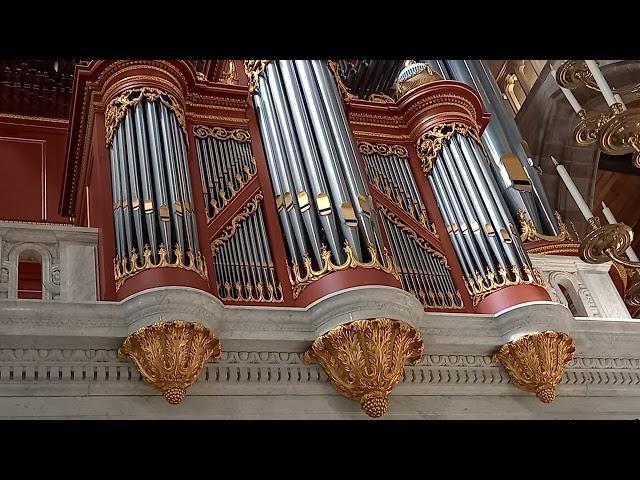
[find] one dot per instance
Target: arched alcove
(30, 284)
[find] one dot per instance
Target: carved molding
(284, 368)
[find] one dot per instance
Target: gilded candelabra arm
(606, 243)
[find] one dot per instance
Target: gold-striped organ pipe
(226, 164)
(152, 196)
(423, 271)
(321, 195)
(480, 228)
(242, 258)
(387, 168)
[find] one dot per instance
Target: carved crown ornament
(365, 359)
(171, 355)
(535, 362)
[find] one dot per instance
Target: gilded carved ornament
(535, 362)
(254, 69)
(126, 267)
(430, 142)
(479, 287)
(118, 107)
(171, 355)
(411, 233)
(237, 134)
(299, 281)
(365, 359)
(530, 234)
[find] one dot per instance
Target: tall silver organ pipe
(151, 189)
(519, 181)
(479, 225)
(322, 198)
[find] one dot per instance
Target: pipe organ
(283, 187)
(154, 221)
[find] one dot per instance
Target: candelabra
(616, 132)
(608, 243)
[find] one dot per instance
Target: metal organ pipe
(347, 149)
(293, 154)
(311, 159)
(342, 202)
(152, 191)
(294, 253)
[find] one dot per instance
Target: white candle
(618, 98)
(568, 94)
(611, 219)
(573, 190)
(601, 82)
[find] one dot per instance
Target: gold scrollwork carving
(535, 362)
(272, 295)
(344, 91)
(230, 76)
(254, 69)
(383, 149)
(480, 287)
(430, 142)
(117, 108)
(380, 98)
(418, 239)
(126, 267)
(219, 133)
(251, 206)
(171, 355)
(530, 234)
(559, 249)
(299, 282)
(365, 359)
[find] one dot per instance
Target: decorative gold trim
(219, 133)
(558, 249)
(251, 206)
(380, 98)
(126, 267)
(272, 295)
(254, 69)
(117, 108)
(480, 287)
(344, 91)
(171, 355)
(365, 359)
(430, 142)
(230, 75)
(299, 282)
(535, 362)
(530, 234)
(422, 243)
(383, 149)
(30, 117)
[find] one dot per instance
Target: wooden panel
(23, 192)
(31, 162)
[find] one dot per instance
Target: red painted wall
(30, 280)
(32, 154)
